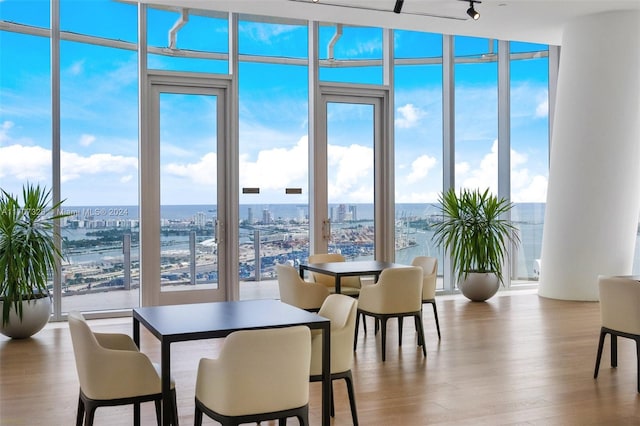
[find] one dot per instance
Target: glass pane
(188, 191)
(413, 44)
(361, 44)
(34, 13)
(99, 174)
(25, 111)
(200, 43)
(476, 116)
(102, 18)
(274, 174)
(350, 140)
(529, 159)
(418, 158)
(267, 39)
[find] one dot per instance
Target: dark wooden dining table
(179, 323)
(346, 269)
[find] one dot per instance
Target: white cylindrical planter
(593, 197)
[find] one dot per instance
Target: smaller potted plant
(28, 255)
(475, 232)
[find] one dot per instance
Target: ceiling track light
(472, 12)
(398, 7)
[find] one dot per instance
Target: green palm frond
(28, 253)
(475, 231)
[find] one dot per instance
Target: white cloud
(542, 110)
(32, 163)
(74, 166)
(265, 33)
(4, 130)
(86, 140)
(201, 172)
(350, 173)
(365, 46)
(408, 116)
(524, 187)
(77, 68)
(420, 168)
(276, 168)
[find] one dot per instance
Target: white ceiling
(538, 21)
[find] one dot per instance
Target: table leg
(165, 367)
(338, 279)
(326, 375)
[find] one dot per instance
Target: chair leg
(80, 415)
(333, 404)
(400, 330)
(383, 328)
(352, 398)
(158, 403)
(420, 340)
(197, 417)
(136, 414)
(281, 422)
(174, 408)
(303, 418)
(89, 414)
(599, 355)
(435, 314)
(364, 324)
(420, 331)
(614, 350)
(355, 336)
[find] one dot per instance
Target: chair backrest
(398, 290)
(257, 371)
(342, 311)
(107, 373)
(429, 265)
(297, 292)
(620, 304)
(328, 280)
(86, 349)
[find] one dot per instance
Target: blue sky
(100, 125)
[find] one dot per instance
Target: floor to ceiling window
(99, 139)
(418, 142)
(274, 162)
(529, 70)
(476, 114)
(99, 156)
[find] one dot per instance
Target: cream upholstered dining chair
(620, 316)
(429, 265)
(297, 292)
(259, 375)
(397, 294)
(348, 285)
(112, 371)
(341, 310)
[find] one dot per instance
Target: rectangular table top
(219, 319)
(359, 267)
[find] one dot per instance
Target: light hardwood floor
(516, 360)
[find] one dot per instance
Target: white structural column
(593, 197)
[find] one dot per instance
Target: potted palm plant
(475, 231)
(28, 255)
